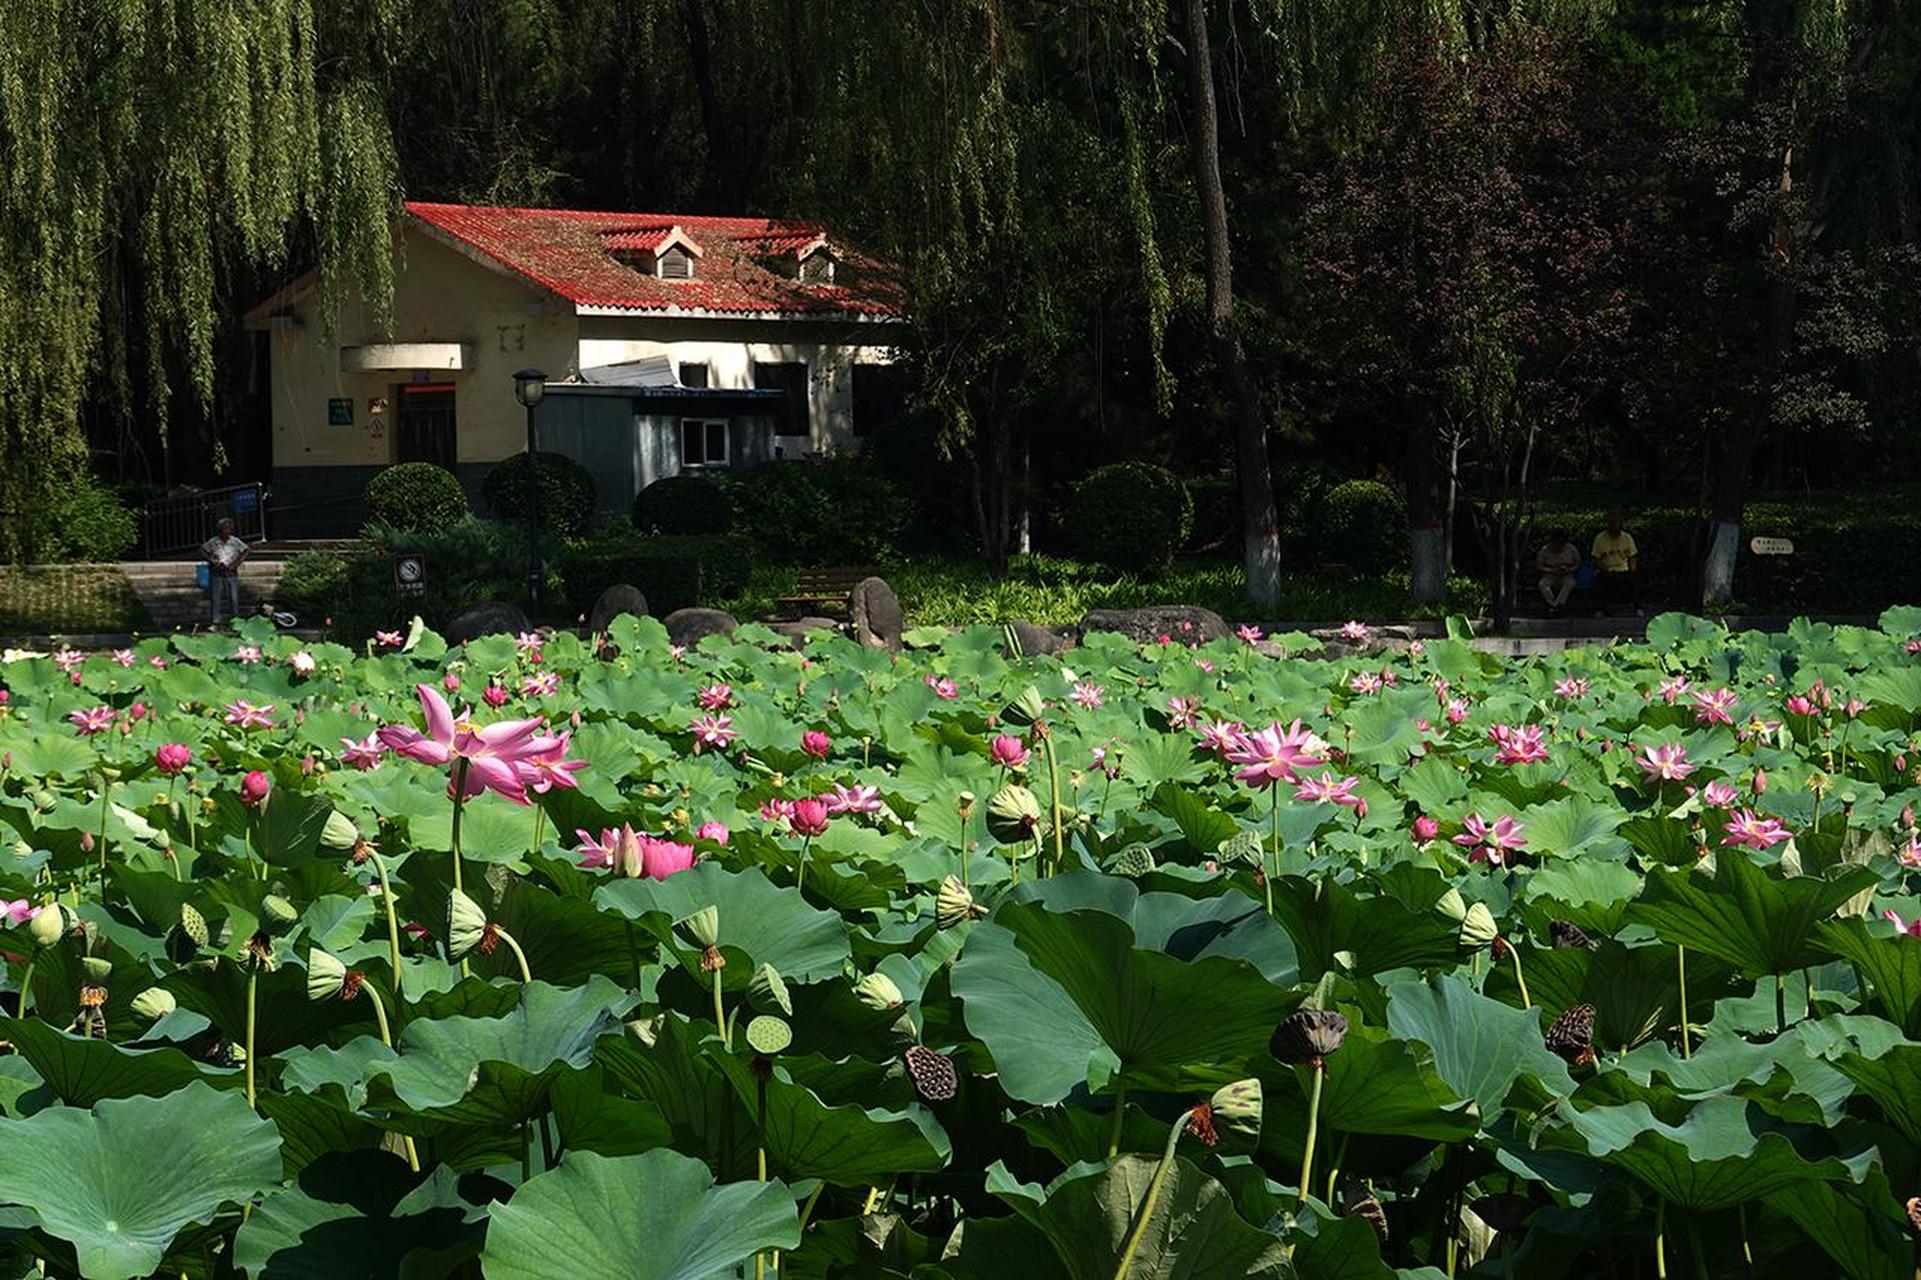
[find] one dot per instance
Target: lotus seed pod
(193, 925)
(964, 805)
(96, 970)
(1014, 815)
(277, 914)
(954, 904)
(1237, 1111)
(49, 925)
(1308, 1036)
(933, 1074)
(466, 924)
(644, 1031)
(1134, 860)
(703, 926)
(769, 1035)
(340, 834)
(1243, 848)
(1565, 934)
(1572, 1036)
(767, 992)
(1370, 1211)
(154, 1003)
(878, 992)
(326, 975)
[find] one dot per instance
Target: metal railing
(182, 522)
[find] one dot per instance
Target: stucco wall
(440, 296)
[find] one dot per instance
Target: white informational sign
(1771, 547)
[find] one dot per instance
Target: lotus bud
(1308, 1036)
(703, 926)
(154, 1003)
(340, 834)
(1026, 709)
(1235, 1111)
(1014, 815)
(277, 915)
(1760, 781)
(933, 1073)
(1907, 816)
(767, 991)
(466, 924)
(955, 905)
(878, 992)
(96, 970)
(1134, 860)
(326, 975)
(768, 1035)
(1242, 848)
(49, 925)
(644, 1031)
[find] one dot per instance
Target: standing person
(225, 554)
(1557, 561)
(1619, 560)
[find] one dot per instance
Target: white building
(668, 342)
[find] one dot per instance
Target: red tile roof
(572, 252)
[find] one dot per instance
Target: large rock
(798, 629)
(1180, 623)
(488, 618)
(1035, 639)
(688, 627)
(873, 614)
(614, 601)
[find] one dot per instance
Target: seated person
(1557, 561)
(1618, 559)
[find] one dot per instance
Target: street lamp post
(529, 386)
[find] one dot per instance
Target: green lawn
(67, 599)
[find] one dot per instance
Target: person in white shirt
(224, 555)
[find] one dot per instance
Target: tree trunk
(1261, 533)
(1427, 514)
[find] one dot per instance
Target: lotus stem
(386, 1038)
(1054, 798)
(1747, 1250)
(1514, 952)
(1340, 1158)
(387, 902)
(807, 1210)
(106, 791)
(720, 1016)
(26, 985)
(1661, 1239)
(540, 821)
(873, 1199)
(760, 1155)
(460, 799)
(1272, 866)
(1313, 1127)
(253, 992)
(1694, 1251)
(1152, 1198)
(526, 1151)
(526, 974)
(1681, 973)
(1120, 1117)
(1780, 1003)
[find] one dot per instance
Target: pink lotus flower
(1220, 736)
(1426, 828)
(1756, 727)
(715, 697)
(157, 662)
(1571, 687)
(776, 810)
(602, 852)
(364, 753)
(1416, 648)
(545, 765)
(1719, 795)
(492, 754)
(1355, 632)
(1799, 705)
(1008, 751)
(1490, 841)
(1365, 682)
(1854, 708)
(91, 721)
(495, 695)
(247, 654)
(392, 639)
(1249, 633)
(1087, 695)
(816, 744)
(843, 799)
(1714, 706)
(1204, 665)
(1750, 830)
(544, 685)
(1910, 853)
(1667, 762)
(659, 858)
(943, 687)
(715, 831)
(1672, 688)
(68, 660)
(450, 682)
(713, 731)
(1326, 790)
(809, 817)
(171, 758)
(18, 911)
(1271, 755)
(1457, 711)
(1519, 744)
(303, 663)
(245, 715)
(138, 712)
(254, 788)
(527, 642)
(123, 658)
(1911, 930)
(1183, 712)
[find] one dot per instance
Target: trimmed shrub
(1131, 516)
(820, 513)
(416, 495)
(673, 571)
(1363, 525)
(567, 497)
(691, 502)
(312, 583)
(86, 521)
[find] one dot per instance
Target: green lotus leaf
(82, 1071)
(1481, 1046)
(769, 924)
(1891, 968)
(1864, 1232)
(1202, 826)
(358, 1213)
(847, 1145)
(120, 1181)
(654, 1216)
(1327, 919)
(1754, 921)
(1375, 1084)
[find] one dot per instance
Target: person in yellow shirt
(1618, 560)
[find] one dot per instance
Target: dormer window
(817, 267)
(667, 253)
(675, 263)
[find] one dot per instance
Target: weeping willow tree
(147, 149)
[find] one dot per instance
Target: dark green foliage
(416, 495)
(311, 583)
(673, 571)
(468, 561)
(567, 497)
(85, 522)
(1363, 525)
(1132, 516)
(687, 503)
(820, 513)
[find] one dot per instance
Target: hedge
(415, 495)
(1131, 516)
(674, 571)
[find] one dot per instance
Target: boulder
(798, 629)
(1181, 623)
(1035, 639)
(614, 601)
(873, 613)
(689, 627)
(488, 618)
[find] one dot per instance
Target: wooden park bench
(822, 591)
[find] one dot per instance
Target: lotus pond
(540, 957)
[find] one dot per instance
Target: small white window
(675, 263)
(703, 442)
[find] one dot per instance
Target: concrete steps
(169, 590)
